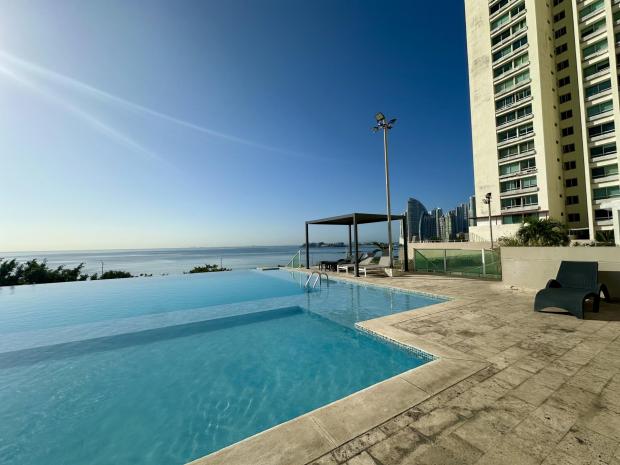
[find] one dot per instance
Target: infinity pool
(165, 370)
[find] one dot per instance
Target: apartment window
(598, 88)
(596, 68)
(566, 115)
(561, 49)
(559, 16)
(517, 184)
(517, 149)
(500, 37)
(591, 8)
(515, 132)
(602, 150)
(568, 148)
(514, 115)
(497, 6)
(572, 182)
(594, 49)
(600, 108)
(603, 215)
(517, 167)
(560, 32)
(589, 30)
(565, 98)
(604, 171)
(518, 202)
(512, 82)
(573, 218)
(513, 98)
(564, 81)
(572, 199)
(516, 45)
(567, 131)
(562, 65)
(570, 165)
(606, 192)
(601, 129)
(521, 60)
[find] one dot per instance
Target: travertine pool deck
(510, 386)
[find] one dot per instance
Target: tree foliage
(538, 233)
(13, 273)
(207, 269)
(115, 274)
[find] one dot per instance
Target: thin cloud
(114, 99)
(96, 123)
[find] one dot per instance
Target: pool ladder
(317, 280)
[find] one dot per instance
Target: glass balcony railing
(476, 263)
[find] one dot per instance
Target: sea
(178, 261)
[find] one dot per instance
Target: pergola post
(357, 258)
(406, 240)
(350, 245)
(307, 249)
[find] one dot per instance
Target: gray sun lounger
(575, 283)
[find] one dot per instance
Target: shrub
(207, 269)
(115, 274)
(13, 273)
(538, 233)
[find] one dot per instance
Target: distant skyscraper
(415, 211)
(472, 211)
(435, 225)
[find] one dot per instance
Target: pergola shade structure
(353, 220)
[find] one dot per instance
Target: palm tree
(545, 232)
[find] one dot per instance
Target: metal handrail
(318, 279)
(291, 262)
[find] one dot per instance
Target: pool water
(165, 370)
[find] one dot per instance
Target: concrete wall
(532, 267)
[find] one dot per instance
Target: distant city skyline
(164, 124)
(436, 224)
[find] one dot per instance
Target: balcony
(515, 36)
(517, 157)
(518, 192)
(516, 174)
(520, 138)
(521, 208)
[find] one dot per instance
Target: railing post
(445, 261)
(484, 265)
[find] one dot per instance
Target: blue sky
(206, 123)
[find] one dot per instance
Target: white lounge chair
(384, 262)
(351, 266)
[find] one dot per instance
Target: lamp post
(487, 201)
(385, 125)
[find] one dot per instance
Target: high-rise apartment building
(545, 111)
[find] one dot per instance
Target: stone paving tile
(533, 392)
(450, 450)
(535, 438)
(362, 459)
(398, 448)
(327, 459)
(603, 421)
(587, 445)
(354, 447)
